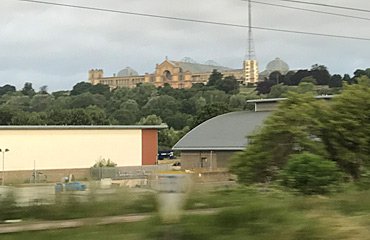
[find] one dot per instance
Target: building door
(203, 162)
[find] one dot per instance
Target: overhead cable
(312, 10)
(327, 5)
(193, 20)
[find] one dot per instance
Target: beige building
(73, 148)
(251, 71)
(178, 74)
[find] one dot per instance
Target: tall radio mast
(250, 65)
(251, 52)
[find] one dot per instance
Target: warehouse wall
(70, 148)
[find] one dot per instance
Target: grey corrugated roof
(198, 68)
(224, 132)
(69, 127)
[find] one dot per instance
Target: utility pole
(3, 173)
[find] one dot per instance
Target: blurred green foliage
(337, 130)
(254, 212)
(70, 205)
(310, 174)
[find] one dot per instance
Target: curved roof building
(212, 143)
(225, 132)
(127, 72)
(277, 65)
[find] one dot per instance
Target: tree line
(318, 75)
(180, 109)
(87, 104)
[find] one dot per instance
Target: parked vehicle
(166, 154)
(70, 186)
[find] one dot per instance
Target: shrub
(310, 174)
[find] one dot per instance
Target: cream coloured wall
(69, 148)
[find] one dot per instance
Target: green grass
(252, 213)
(71, 206)
(126, 231)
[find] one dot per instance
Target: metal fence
(136, 172)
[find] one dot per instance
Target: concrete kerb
(73, 223)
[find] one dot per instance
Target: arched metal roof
(225, 132)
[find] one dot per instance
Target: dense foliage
(338, 130)
(317, 75)
(310, 174)
(180, 109)
(86, 104)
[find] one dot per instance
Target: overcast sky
(56, 46)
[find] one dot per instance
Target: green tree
(123, 116)
(163, 106)
(6, 89)
(97, 116)
(127, 113)
(169, 136)
(348, 79)
(305, 87)
(277, 91)
(335, 81)
(62, 93)
(214, 78)
(150, 120)
(43, 89)
(367, 70)
(118, 96)
(359, 73)
(214, 96)
(310, 174)
(25, 118)
(347, 128)
(101, 89)
(276, 77)
(309, 79)
(58, 117)
(229, 85)
(143, 93)
(179, 120)
(102, 162)
(40, 102)
(189, 106)
(6, 115)
(87, 99)
(288, 78)
(81, 87)
(210, 111)
(18, 103)
(28, 89)
(78, 117)
(321, 74)
(61, 102)
(237, 102)
(131, 106)
(297, 77)
(293, 128)
(264, 87)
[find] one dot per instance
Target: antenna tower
(251, 53)
(250, 65)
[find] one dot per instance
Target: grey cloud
(56, 46)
